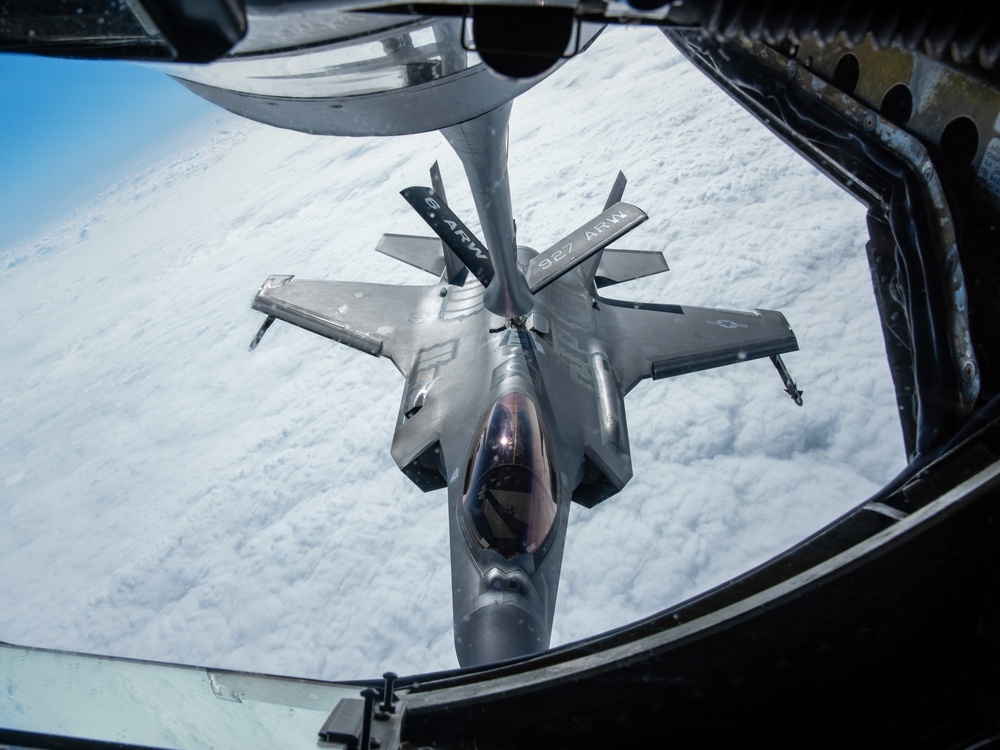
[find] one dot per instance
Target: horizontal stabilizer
(565, 255)
(420, 252)
(451, 230)
(617, 265)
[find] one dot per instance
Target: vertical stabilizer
(455, 270)
(589, 268)
(617, 191)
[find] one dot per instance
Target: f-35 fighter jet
(516, 368)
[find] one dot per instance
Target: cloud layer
(167, 495)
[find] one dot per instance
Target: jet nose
(497, 631)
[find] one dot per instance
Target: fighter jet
(515, 369)
(515, 365)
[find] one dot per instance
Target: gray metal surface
(481, 144)
(420, 252)
(571, 361)
(619, 265)
(326, 71)
(612, 223)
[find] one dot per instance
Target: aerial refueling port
(521, 42)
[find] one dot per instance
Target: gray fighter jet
(516, 368)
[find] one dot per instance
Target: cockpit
(509, 501)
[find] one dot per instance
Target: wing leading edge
(661, 341)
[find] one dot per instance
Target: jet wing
(660, 341)
(375, 318)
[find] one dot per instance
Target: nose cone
(497, 631)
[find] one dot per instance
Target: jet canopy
(509, 501)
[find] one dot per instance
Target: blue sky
(69, 127)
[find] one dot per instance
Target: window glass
(509, 501)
